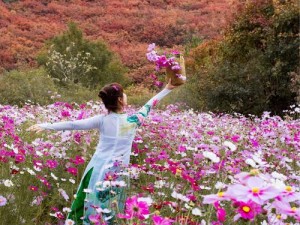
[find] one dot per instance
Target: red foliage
(127, 26)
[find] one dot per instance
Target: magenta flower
(135, 209)
(254, 189)
(158, 220)
(78, 160)
(52, 164)
(221, 213)
(19, 158)
(3, 200)
(65, 113)
(95, 219)
(72, 170)
(247, 210)
(33, 188)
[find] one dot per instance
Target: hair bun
(102, 94)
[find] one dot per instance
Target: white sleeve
(85, 124)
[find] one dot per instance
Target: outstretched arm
(85, 124)
(140, 116)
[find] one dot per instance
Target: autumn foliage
(127, 26)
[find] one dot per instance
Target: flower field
(186, 167)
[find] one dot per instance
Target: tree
(70, 57)
(251, 71)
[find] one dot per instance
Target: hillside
(127, 26)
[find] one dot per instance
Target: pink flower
(220, 196)
(155, 102)
(254, 189)
(3, 200)
(135, 209)
(95, 219)
(158, 220)
(247, 210)
(289, 194)
(286, 208)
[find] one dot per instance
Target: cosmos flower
(247, 210)
(158, 220)
(135, 209)
(255, 189)
(3, 201)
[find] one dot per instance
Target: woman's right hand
(35, 128)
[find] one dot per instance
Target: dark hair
(110, 94)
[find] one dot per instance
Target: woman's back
(116, 136)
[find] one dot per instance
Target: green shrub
(138, 95)
(71, 92)
(17, 87)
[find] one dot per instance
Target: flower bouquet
(173, 62)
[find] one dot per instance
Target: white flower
(159, 184)
(8, 183)
(54, 177)
(212, 156)
(196, 212)
(106, 184)
(69, 222)
(264, 223)
(30, 171)
(258, 160)
(180, 196)
(204, 187)
(251, 163)
(187, 206)
(278, 176)
(66, 209)
(120, 183)
(72, 181)
(37, 168)
(230, 145)
(38, 153)
(148, 200)
(100, 210)
(220, 185)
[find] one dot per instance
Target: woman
(94, 196)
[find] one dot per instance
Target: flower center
(294, 209)
(220, 194)
(178, 171)
(288, 188)
(278, 217)
(255, 190)
(246, 209)
(254, 172)
(135, 209)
